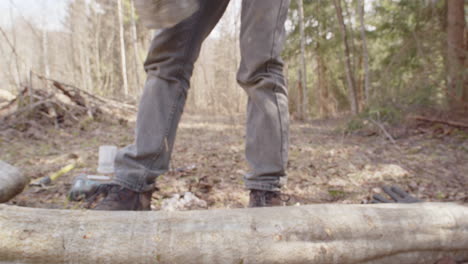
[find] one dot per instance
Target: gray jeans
(169, 65)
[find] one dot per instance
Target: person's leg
(169, 66)
(261, 75)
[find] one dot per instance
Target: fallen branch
(108, 101)
(26, 108)
(383, 130)
(327, 233)
(64, 105)
(76, 98)
(13, 101)
(445, 122)
(66, 111)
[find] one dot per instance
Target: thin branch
(388, 135)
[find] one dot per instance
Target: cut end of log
(12, 182)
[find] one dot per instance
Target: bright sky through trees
(48, 12)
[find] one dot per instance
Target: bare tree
(457, 50)
(303, 74)
(365, 53)
(135, 43)
(122, 48)
(349, 71)
(17, 65)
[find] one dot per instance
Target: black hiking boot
(259, 198)
(118, 198)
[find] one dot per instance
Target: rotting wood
(326, 233)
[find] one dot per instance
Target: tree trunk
(73, 50)
(82, 49)
(349, 72)
(303, 112)
(300, 94)
(322, 86)
(122, 48)
(327, 233)
(365, 53)
(45, 55)
(456, 45)
(45, 43)
(136, 50)
(97, 53)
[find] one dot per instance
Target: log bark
(327, 233)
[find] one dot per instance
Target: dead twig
(388, 135)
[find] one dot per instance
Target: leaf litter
(325, 165)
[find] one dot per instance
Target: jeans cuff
(262, 186)
(134, 186)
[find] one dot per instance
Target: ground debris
(58, 105)
(208, 161)
(187, 201)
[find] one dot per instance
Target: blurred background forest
(378, 94)
(353, 56)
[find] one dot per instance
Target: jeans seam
(151, 162)
(189, 38)
(276, 28)
(276, 83)
(270, 186)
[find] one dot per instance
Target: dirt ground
(326, 165)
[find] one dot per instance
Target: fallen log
(12, 182)
(440, 121)
(327, 233)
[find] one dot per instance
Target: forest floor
(326, 165)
